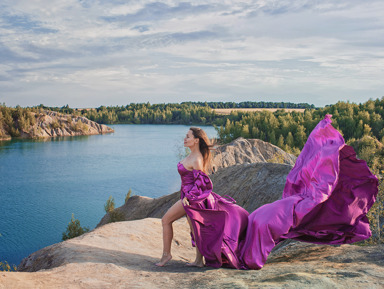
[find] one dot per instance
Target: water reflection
(20, 143)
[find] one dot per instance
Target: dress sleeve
(201, 189)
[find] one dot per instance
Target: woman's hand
(185, 201)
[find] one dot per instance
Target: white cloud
(102, 51)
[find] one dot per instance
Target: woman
(325, 201)
(217, 234)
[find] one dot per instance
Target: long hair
(205, 147)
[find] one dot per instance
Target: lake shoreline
(45, 180)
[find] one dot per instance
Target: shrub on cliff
(114, 215)
(128, 195)
(4, 266)
(74, 229)
(109, 205)
(376, 214)
(55, 124)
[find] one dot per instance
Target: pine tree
(280, 142)
(289, 140)
(74, 229)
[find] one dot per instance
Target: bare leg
(174, 213)
(199, 258)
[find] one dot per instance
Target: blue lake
(43, 182)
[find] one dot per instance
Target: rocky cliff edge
(122, 255)
(55, 124)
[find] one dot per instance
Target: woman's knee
(165, 220)
(174, 213)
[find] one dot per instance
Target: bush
(128, 195)
(79, 126)
(14, 132)
(74, 229)
(116, 216)
(376, 217)
(55, 124)
(109, 205)
(277, 158)
(4, 266)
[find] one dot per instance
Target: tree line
(145, 113)
(14, 120)
(197, 113)
(290, 130)
(252, 104)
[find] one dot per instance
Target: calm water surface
(43, 182)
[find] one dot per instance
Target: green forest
(362, 126)
(289, 130)
(197, 113)
(251, 104)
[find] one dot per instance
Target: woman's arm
(200, 190)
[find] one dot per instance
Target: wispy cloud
(90, 53)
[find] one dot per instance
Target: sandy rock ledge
(122, 255)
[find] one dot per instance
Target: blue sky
(90, 53)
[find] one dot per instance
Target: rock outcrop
(122, 255)
(55, 124)
(247, 151)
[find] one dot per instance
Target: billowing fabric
(218, 223)
(325, 201)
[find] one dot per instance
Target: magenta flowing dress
(325, 201)
(218, 223)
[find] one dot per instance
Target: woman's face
(190, 140)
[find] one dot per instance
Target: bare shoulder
(198, 163)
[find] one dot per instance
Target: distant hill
(25, 123)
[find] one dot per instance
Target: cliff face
(247, 151)
(53, 124)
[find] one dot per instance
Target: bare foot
(196, 264)
(164, 260)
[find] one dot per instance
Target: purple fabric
(219, 224)
(325, 200)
